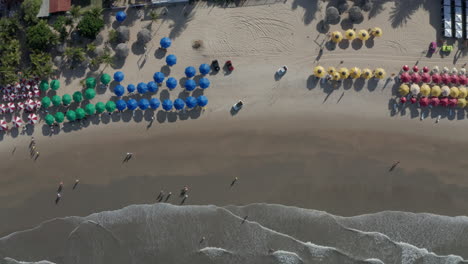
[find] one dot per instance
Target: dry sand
(294, 142)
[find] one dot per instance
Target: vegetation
(9, 50)
(41, 64)
(75, 54)
(113, 36)
(75, 12)
(107, 58)
(90, 47)
(153, 15)
(60, 26)
(30, 9)
(40, 36)
(91, 23)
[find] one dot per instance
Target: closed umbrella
(179, 104)
(355, 72)
(46, 102)
(445, 70)
(100, 107)
(425, 78)
(331, 70)
(436, 78)
(167, 105)
(405, 77)
(59, 117)
(105, 79)
(71, 115)
(436, 91)
(336, 37)
(350, 34)
(91, 82)
(119, 90)
(426, 69)
(319, 72)
(204, 83)
(445, 90)
(110, 106)
(415, 78)
(190, 85)
(121, 105)
(405, 68)
(191, 102)
(132, 104)
(120, 16)
(204, 69)
(454, 71)
(143, 104)
(131, 88)
(152, 87)
(119, 76)
(363, 35)
(377, 32)
(190, 72)
(435, 69)
(165, 42)
(90, 109)
(403, 100)
(171, 83)
(32, 119)
(90, 93)
(344, 73)
(56, 100)
(44, 85)
(425, 90)
(403, 90)
(154, 103)
(80, 113)
(158, 77)
(49, 119)
(454, 92)
(463, 92)
(379, 73)
(462, 71)
(415, 68)
(171, 60)
(142, 88)
(66, 99)
(55, 85)
(415, 89)
(366, 74)
(202, 100)
(77, 97)
(461, 103)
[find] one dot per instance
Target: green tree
(30, 9)
(59, 23)
(113, 35)
(41, 64)
(90, 47)
(75, 54)
(75, 12)
(153, 15)
(40, 36)
(91, 23)
(107, 58)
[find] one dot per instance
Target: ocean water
(276, 234)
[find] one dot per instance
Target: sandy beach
(295, 142)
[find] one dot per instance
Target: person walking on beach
(168, 196)
(184, 191)
(394, 165)
(76, 184)
(59, 196)
(234, 181)
(59, 190)
(160, 196)
(185, 198)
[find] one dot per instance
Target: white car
(237, 106)
(282, 71)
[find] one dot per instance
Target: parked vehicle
(237, 106)
(282, 71)
(432, 47)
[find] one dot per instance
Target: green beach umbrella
(100, 107)
(44, 85)
(80, 113)
(110, 106)
(59, 117)
(91, 82)
(55, 85)
(66, 99)
(90, 109)
(46, 102)
(56, 100)
(49, 119)
(106, 78)
(71, 115)
(90, 93)
(77, 97)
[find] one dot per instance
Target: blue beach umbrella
(171, 83)
(121, 16)
(158, 77)
(204, 83)
(190, 72)
(204, 69)
(165, 42)
(118, 76)
(154, 103)
(152, 87)
(143, 104)
(121, 105)
(179, 104)
(191, 102)
(190, 85)
(167, 105)
(119, 90)
(131, 88)
(171, 60)
(132, 104)
(142, 88)
(202, 100)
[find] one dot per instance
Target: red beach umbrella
(3, 108)
(436, 78)
(416, 78)
(425, 69)
(403, 100)
(445, 78)
(30, 105)
(32, 119)
(424, 101)
(11, 107)
(435, 101)
(413, 100)
(20, 106)
(415, 68)
(38, 104)
(405, 68)
(3, 125)
(425, 77)
(462, 80)
(444, 101)
(18, 121)
(454, 79)
(405, 77)
(453, 102)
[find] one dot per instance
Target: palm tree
(75, 54)
(75, 11)
(107, 59)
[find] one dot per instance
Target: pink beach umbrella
(425, 77)
(435, 101)
(445, 78)
(453, 102)
(403, 100)
(32, 119)
(17, 121)
(405, 77)
(30, 105)
(444, 101)
(3, 125)
(436, 78)
(20, 106)
(413, 100)
(424, 101)
(462, 80)
(415, 68)
(3, 108)
(11, 107)
(454, 79)
(405, 68)
(425, 69)
(416, 78)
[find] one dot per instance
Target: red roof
(59, 6)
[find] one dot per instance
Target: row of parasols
(427, 76)
(451, 96)
(18, 121)
(350, 34)
(30, 106)
(344, 73)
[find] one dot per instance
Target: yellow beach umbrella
(454, 92)
(461, 102)
(463, 92)
(331, 70)
(355, 72)
(363, 35)
(366, 74)
(350, 34)
(344, 73)
(336, 76)
(319, 72)
(425, 90)
(377, 32)
(336, 37)
(435, 91)
(379, 73)
(445, 90)
(403, 90)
